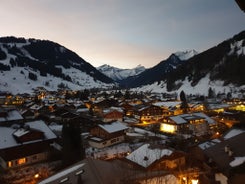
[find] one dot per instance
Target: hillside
(29, 63)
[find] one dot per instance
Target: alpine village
(63, 121)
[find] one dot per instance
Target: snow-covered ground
(17, 81)
(201, 88)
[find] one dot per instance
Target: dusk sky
(124, 33)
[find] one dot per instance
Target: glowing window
(21, 161)
(9, 164)
(167, 128)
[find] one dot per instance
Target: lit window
(167, 128)
(9, 164)
(21, 161)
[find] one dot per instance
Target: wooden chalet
(151, 157)
(104, 135)
(26, 144)
(150, 113)
(10, 116)
(112, 114)
(194, 124)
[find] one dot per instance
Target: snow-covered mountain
(118, 74)
(28, 63)
(185, 55)
(220, 68)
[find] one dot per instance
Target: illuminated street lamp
(36, 176)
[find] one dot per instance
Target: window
(10, 164)
(21, 161)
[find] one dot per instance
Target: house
(112, 114)
(228, 157)
(28, 114)
(104, 135)
(196, 124)
(93, 171)
(150, 113)
(152, 157)
(23, 144)
(9, 116)
(170, 108)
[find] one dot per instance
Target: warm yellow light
(36, 175)
(9, 164)
(194, 181)
(21, 161)
(167, 128)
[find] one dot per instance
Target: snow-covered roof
(145, 155)
(178, 119)
(232, 133)
(184, 118)
(62, 174)
(113, 127)
(237, 161)
(218, 106)
(207, 118)
(12, 115)
(20, 132)
(111, 109)
(7, 139)
(167, 104)
(208, 144)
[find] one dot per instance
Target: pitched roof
(11, 115)
(113, 127)
(184, 118)
(219, 155)
(145, 155)
(7, 139)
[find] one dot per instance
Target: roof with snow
(113, 127)
(60, 176)
(185, 118)
(119, 109)
(11, 115)
(225, 160)
(8, 140)
(145, 155)
(208, 144)
(232, 133)
(168, 104)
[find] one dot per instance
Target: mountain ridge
(44, 63)
(118, 74)
(29, 63)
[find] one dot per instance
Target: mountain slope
(224, 62)
(32, 63)
(118, 74)
(220, 67)
(160, 71)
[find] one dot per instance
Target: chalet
(25, 144)
(104, 135)
(150, 113)
(151, 157)
(170, 108)
(112, 114)
(129, 109)
(28, 114)
(94, 171)
(98, 106)
(10, 116)
(228, 157)
(196, 124)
